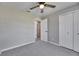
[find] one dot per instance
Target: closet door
(76, 31)
(66, 30)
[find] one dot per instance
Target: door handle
(77, 33)
(46, 31)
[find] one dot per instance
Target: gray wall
(53, 23)
(16, 27)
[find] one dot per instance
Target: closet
(76, 30)
(69, 30)
(66, 30)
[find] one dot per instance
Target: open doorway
(41, 30)
(37, 30)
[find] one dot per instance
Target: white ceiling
(24, 6)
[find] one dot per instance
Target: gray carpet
(39, 48)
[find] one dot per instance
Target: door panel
(44, 30)
(66, 30)
(76, 31)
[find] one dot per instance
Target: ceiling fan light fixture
(41, 6)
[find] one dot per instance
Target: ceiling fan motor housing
(41, 2)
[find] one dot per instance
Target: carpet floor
(40, 48)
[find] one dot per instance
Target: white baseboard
(15, 47)
(54, 43)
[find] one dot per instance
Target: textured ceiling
(24, 6)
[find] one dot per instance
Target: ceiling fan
(41, 5)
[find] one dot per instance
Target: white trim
(15, 47)
(54, 43)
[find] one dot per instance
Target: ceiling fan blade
(48, 5)
(34, 7)
(42, 10)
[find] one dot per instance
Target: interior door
(66, 30)
(76, 31)
(44, 30)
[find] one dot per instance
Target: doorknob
(46, 31)
(77, 33)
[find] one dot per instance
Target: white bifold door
(44, 30)
(66, 30)
(76, 31)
